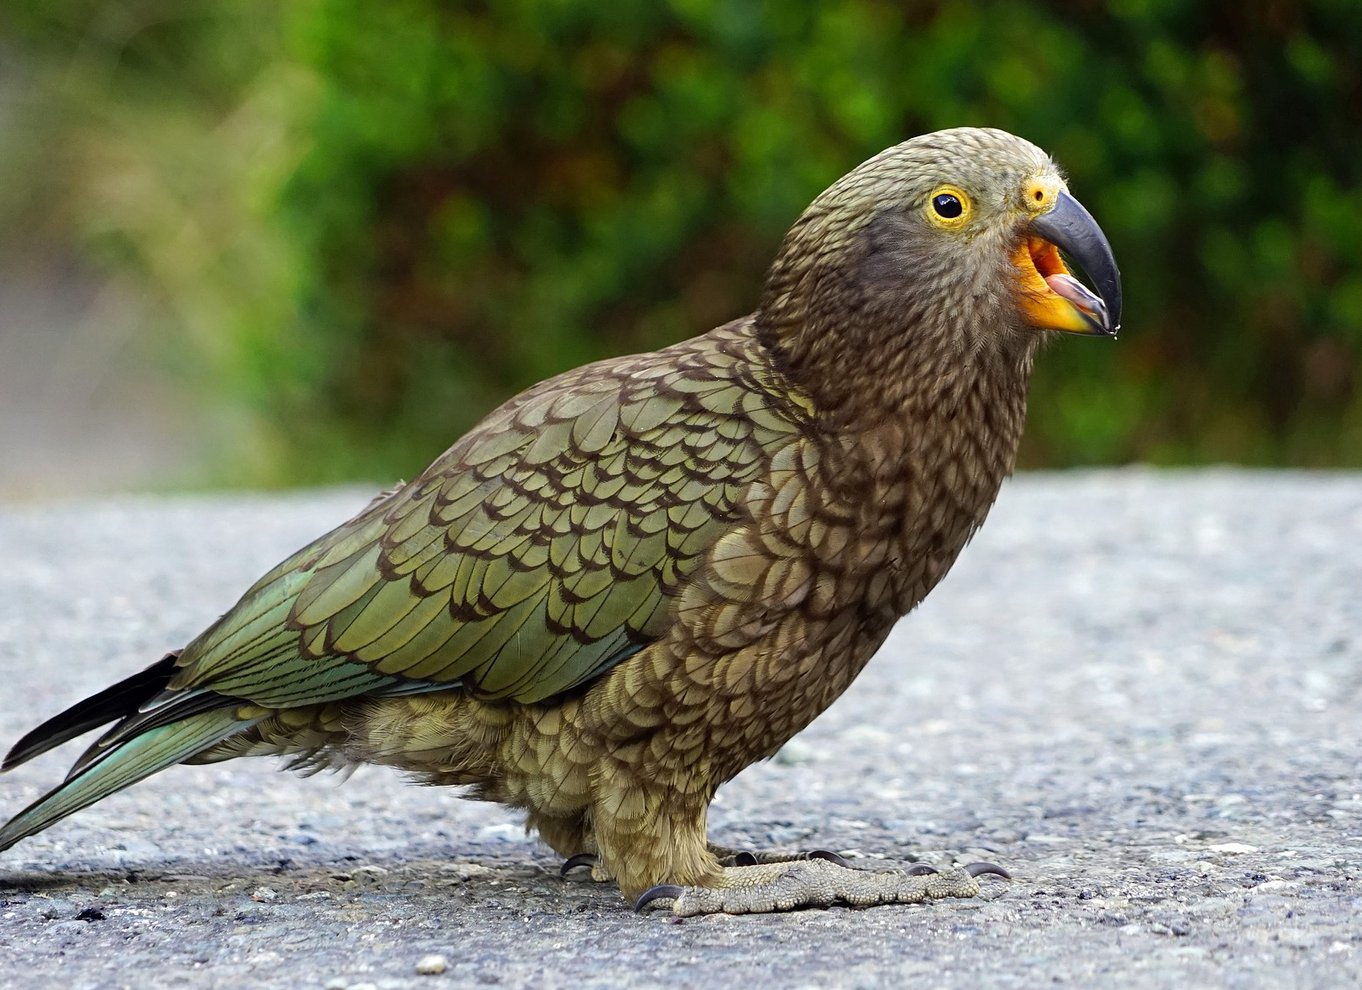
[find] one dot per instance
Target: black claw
(831, 857)
(976, 869)
(669, 891)
(581, 859)
(921, 870)
(745, 858)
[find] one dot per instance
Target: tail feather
(138, 724)
(123, 766)
(109, 705)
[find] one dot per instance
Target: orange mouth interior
(1045, 257)
(1036, 260)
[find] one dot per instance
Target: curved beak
(1053, 299)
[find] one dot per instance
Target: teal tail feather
(122, 766)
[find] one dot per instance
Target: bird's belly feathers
(658, 716)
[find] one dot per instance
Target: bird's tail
(155, 729)
(123, 765)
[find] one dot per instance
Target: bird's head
(953, 237)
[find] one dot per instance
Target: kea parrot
(637, 578)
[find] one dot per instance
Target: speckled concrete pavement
(1141, 692)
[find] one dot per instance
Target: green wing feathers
(536, 551)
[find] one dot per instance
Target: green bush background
(366, 223)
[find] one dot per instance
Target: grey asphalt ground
(1141, 692)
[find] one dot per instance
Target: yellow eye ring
(949, 206)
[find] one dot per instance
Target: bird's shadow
(530, 873)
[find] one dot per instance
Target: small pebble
(431, 965)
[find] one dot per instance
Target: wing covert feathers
(534, 553)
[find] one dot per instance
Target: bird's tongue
(1067, 287)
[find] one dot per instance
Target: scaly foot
(793, 884)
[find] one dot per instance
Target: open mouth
(1052, 297)
(1045, 256)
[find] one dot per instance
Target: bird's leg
(815, 883)
(654, 841)
(648, 834)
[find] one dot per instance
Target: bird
(633, 580)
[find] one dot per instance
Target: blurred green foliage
(369, 222)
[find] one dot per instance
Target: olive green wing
(536, 553)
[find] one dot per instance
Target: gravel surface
(1141, 692)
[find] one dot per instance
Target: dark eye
(947, 206)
